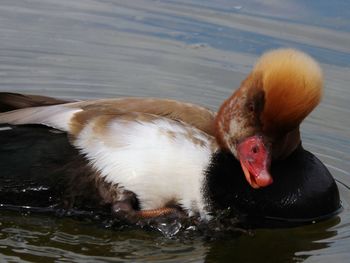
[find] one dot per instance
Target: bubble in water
(169, 229)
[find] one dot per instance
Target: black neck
(303, 189)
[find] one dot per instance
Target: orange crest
(292, 82)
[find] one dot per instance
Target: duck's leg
(164, 211)
(124, 210)
(127, 208)
(125, 204)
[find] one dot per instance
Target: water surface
(197, 51)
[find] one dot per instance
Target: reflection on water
(189, 50)
(32, 237)
(272, 245)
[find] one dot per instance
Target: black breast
(41, 171)
(303, 189)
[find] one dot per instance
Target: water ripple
(197, 51)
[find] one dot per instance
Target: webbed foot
(124, 210)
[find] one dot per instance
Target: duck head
(260, 121)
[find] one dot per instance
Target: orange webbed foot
(124, 210)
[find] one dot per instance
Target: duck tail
(12, 101)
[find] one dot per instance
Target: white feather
(143, 158)
(57, 116)
(5, 128)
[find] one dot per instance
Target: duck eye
(255, 149)
(251, 107)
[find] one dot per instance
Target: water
(194, 50)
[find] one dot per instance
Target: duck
(151, 157)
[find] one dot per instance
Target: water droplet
(169, 229)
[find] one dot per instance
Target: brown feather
(12, 101)
(101, 120)
(199, 117)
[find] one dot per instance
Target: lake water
(194, 50)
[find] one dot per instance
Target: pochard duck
(148, 157)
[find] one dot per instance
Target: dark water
(192, 50)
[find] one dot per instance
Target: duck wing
(31, 109)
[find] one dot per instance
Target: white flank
(156, 160)
(57, 116)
